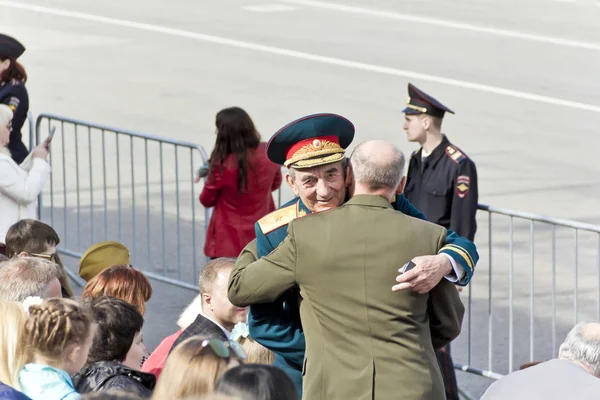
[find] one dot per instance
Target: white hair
(378, 172)
(582, 345)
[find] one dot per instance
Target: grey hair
(582, 345)
(375, 173)
(22, 277)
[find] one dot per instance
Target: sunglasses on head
(225, 349)
(50, 257)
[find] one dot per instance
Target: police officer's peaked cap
(420, 102)
(100, 256)
(10, 47)
(311, 141)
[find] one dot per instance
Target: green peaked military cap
(311, 141)
(100, 256)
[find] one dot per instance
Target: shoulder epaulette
(277, 218)
(455, 154)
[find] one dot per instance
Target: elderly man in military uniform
(363, 341)
(312, 148)
(441, 182)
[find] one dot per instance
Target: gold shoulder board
(277, 219)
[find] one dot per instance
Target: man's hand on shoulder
(427, 273)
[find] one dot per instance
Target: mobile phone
(408, 266)
(51, 135)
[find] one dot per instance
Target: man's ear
(426, 121)
(23, 254)
(401, 186)
(290, 182)
(206, 298)
(349, 176)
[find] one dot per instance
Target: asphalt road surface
(521, 76)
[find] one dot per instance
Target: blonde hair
(13, 358)
(191, 370)
(256, 353)
(53, 325)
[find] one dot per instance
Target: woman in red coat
(239, 184)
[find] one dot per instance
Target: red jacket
(156, 362)
(231, 226)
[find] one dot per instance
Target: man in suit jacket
(574, 375)
(363, 341)
(218, 316)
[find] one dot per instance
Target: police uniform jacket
(363, 341)
(444, 187)
(14, 94)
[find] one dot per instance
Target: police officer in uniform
(441, 182)
(13, 92)
(315, 145)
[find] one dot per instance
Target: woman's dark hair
(15, 71)
(117, 323)
(257, 382)
(235, 135)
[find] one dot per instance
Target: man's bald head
(378, 165)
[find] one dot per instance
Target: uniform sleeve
(264, 280)
(276, 325)
(23, 191)
(18, 101)
(462, 250)
(212, 189)
(445, 310)
(464, 201)
(403, 205)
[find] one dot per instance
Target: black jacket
(444, 188)
(201, 326)
(14, 95)
(106, 375)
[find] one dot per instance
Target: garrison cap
(420, 102)
(100, 256)
(311, 141)
(10, 47)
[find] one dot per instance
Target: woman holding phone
(13, 92)
(21, 184)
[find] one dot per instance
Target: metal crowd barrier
(537, 277)
(130, 187)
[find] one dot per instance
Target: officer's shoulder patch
(277, 218)
(13, 103)
(455, 154)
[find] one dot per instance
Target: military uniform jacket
(14, 94)
(444, 188)
(277, 325)
(363, 341)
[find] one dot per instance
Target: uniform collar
(436, 154)
(369, 201)
(301, 209)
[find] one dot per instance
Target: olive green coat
(363, 341)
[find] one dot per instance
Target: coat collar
(369, 201)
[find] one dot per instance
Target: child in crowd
(58, 334)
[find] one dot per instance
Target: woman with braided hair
(58, 335)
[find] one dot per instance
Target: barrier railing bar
(193, 198)
(148, 226)
(490, 309)
(178, 213)
(77, 186)
(119, 215)
(104, 188)
(576, 288)
(64, 174)
(540, 218)
(553, 291)
(162, 210)
(510, 297)
(133, 204)
(91, 180)
(531, 294)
